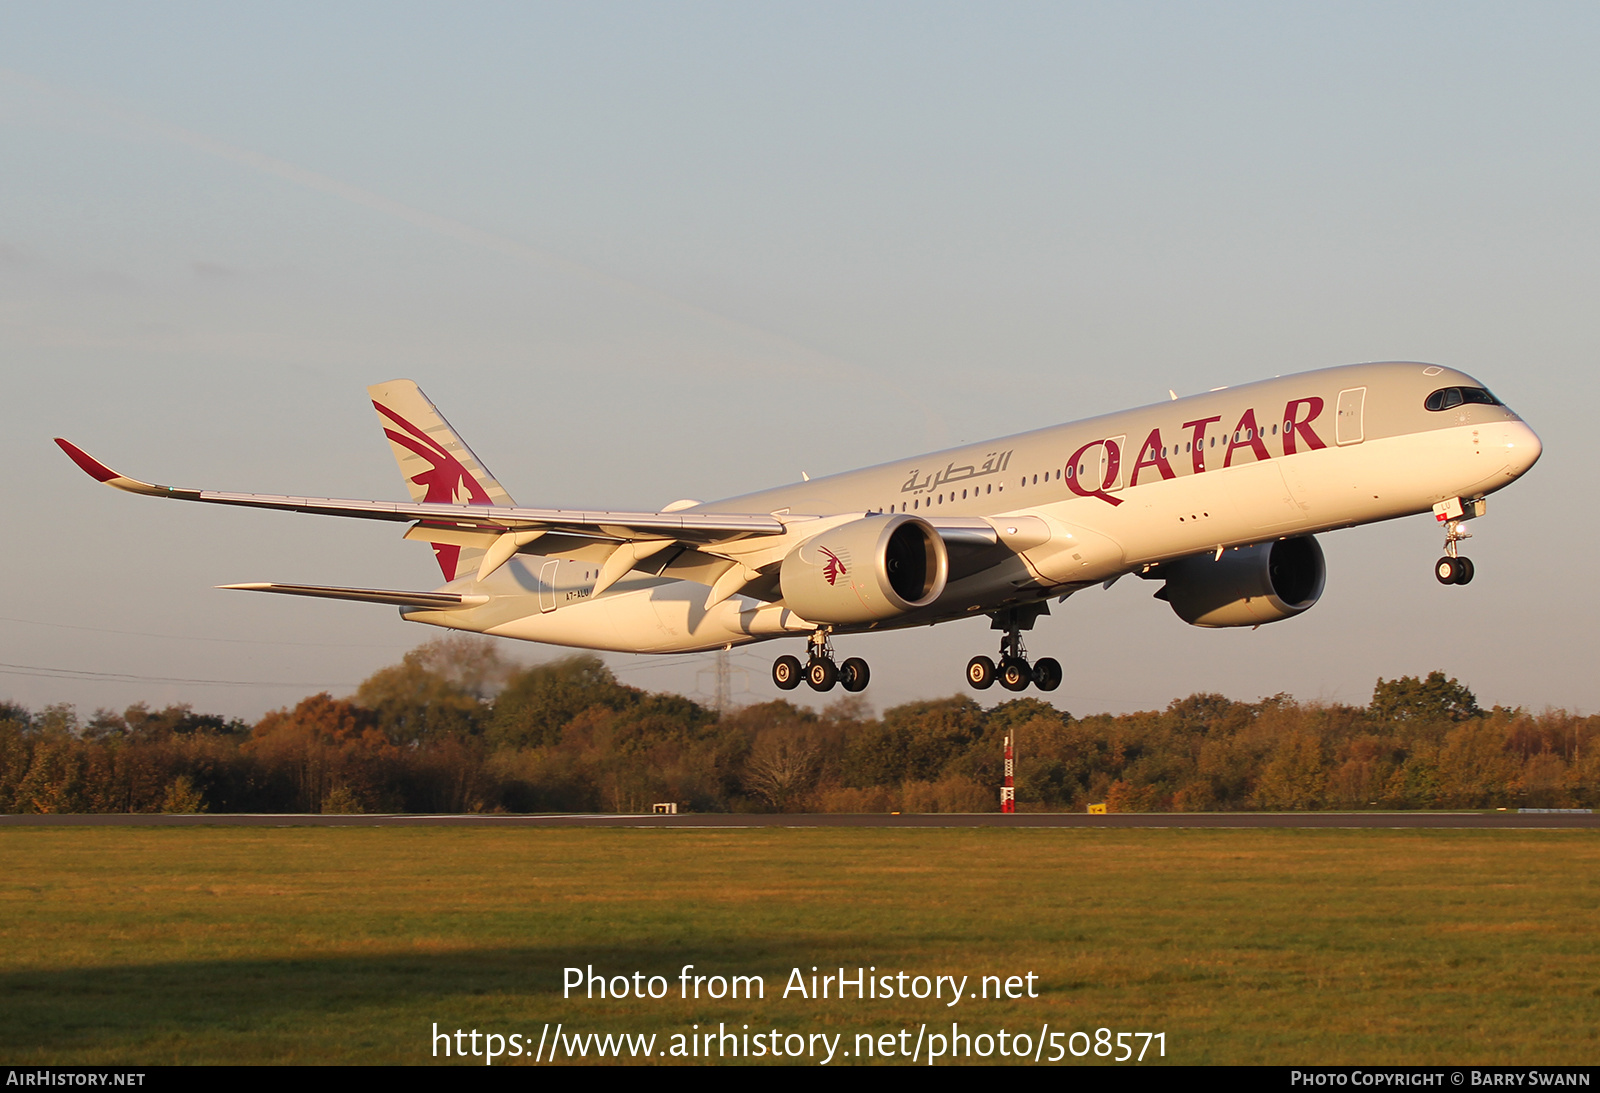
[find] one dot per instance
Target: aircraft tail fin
(435, 462)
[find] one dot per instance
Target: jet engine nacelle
(870, 569)
(1247, 586)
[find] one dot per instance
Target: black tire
(786, 673)
(854, 674)
(1464, 565)
(980, 673)
(821, 674)
(1446, 570)
(1014, 673)
(1047, 674)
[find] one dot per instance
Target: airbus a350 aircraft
(1217, 496)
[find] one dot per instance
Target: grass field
(347, 944)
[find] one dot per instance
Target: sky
(643, 252)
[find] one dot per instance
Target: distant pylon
(1008, 792)
(724, 687)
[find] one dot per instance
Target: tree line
(455, 728)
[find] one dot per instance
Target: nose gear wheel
(1453, 568)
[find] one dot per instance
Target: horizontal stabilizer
(441, 601)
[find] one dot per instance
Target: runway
(1471, 821)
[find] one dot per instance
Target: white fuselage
(1076, 504)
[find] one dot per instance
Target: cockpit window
(1447, 398)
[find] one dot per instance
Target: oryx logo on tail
(437, 465)
(446, 480)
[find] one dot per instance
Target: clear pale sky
(639, 252)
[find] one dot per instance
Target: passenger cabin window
(1448, 398)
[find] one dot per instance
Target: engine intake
(870, 569)
(1247, 586)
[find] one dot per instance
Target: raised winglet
(102, 473)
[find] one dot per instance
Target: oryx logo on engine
(833, 569)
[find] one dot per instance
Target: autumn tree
(661, 748)
(1423, 701)
(438, 690)
(1295, 779)
(914, 742)
(538, 702)
(324, 743)
(1474, 768)
(54, 780)
(782, 769)
(15, 754)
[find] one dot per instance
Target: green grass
(241, 945)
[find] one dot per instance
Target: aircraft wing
(687, 527)
(749, 546)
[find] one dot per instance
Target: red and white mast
(1008, 793)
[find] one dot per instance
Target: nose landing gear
(1452, 568)
(820, 672)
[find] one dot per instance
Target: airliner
(1217, 496)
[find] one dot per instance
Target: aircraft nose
(1522, 447)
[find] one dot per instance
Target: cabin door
(1349, 429)
(1114, 481)
(547, 585)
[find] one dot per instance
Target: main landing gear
(1452, 568)
(820, 672)
(1013, 672)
